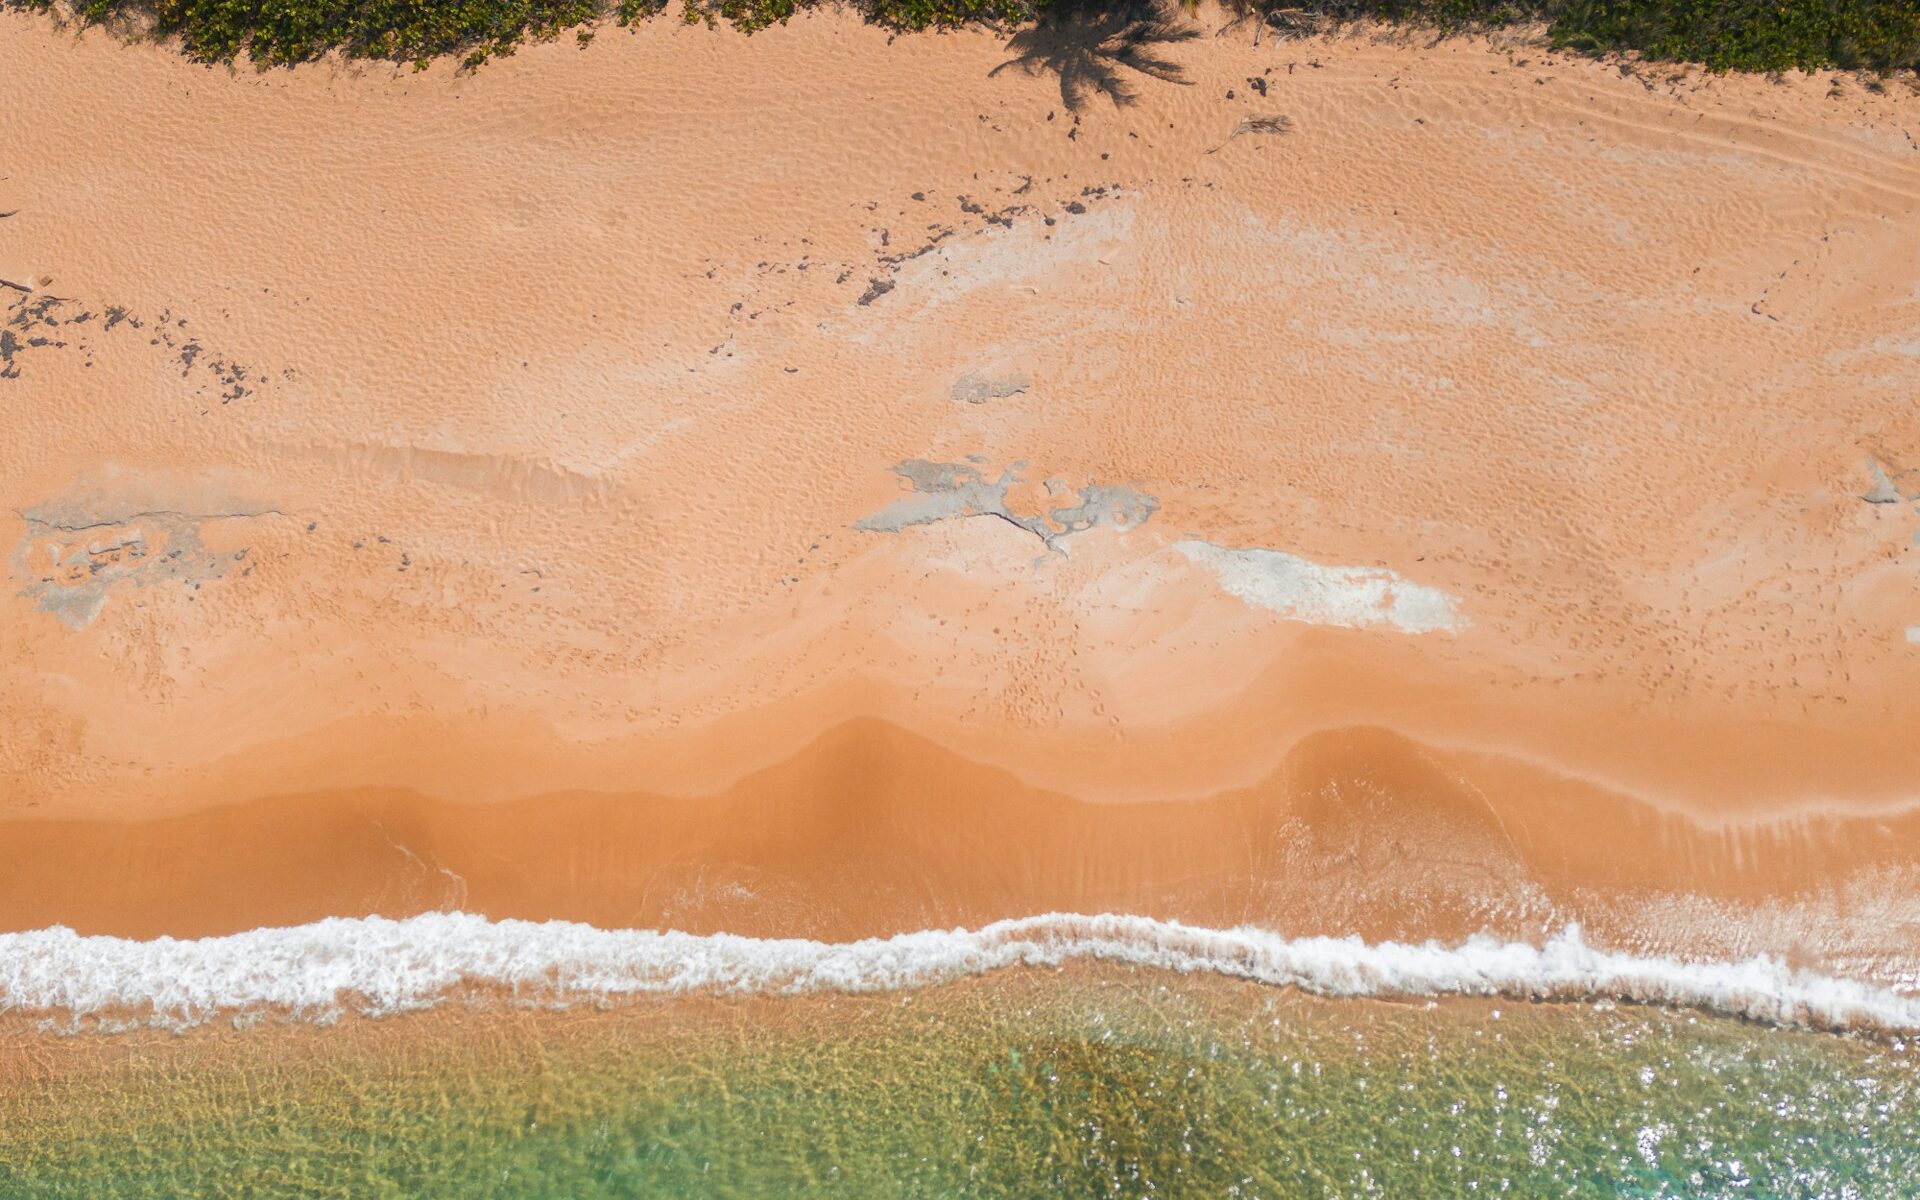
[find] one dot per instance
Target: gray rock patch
(946, 491)
(1882, 491)
(1891, 484)
(72, 559)
(977, 388)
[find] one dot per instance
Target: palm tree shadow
(1094, 46)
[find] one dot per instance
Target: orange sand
(464, 510)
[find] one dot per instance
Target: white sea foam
(375, 966)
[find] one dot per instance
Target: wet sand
(641, 484)
(872, 831)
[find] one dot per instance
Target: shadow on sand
(1097, 46)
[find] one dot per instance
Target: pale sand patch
(1304, 590)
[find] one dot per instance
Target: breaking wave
(374, 965)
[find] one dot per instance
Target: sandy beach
(817, 484)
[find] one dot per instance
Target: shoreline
(375, 968)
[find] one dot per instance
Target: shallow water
(1094, 1079)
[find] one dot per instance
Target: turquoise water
(1088, 1081)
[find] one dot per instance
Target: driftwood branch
(1257, 125)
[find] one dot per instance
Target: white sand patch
(1027, 252)
(1304, 590)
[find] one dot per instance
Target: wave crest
(375, 965)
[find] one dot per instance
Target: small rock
(1882, 491)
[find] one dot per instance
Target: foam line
(374, 966)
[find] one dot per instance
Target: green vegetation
(1738, 35)
(280, 32)
(1749, 35)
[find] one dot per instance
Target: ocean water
(1094, 1077)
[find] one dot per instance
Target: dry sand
(643, 483)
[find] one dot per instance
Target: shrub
(1748, 35)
